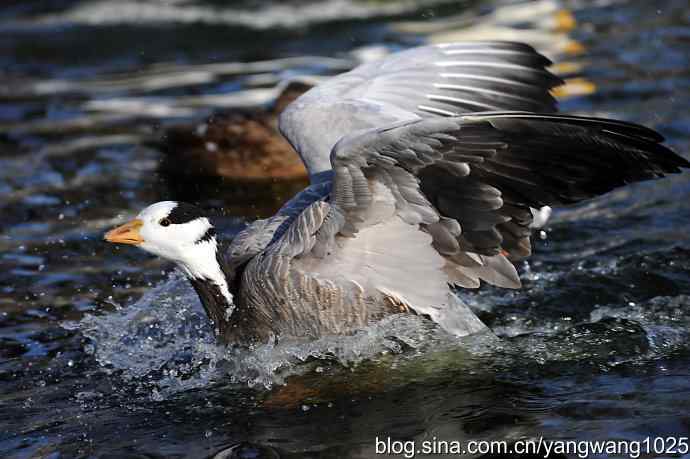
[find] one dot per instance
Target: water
(105, 353)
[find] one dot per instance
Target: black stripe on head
(208, 235)
(184, 213)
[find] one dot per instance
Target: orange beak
(126, 234)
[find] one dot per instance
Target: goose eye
(164, 222)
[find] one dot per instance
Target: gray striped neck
(218, 307)
(213, 284)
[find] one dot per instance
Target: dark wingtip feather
(562, 159)
(585, 121)
(663, 155)
(639, 136)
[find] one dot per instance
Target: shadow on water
(105, 353)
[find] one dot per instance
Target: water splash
(164, 338)
(163, 343)
(666, 321)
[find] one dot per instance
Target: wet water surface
(106, 352)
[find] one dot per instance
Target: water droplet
(156, 396)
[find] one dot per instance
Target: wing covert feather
(427, 81)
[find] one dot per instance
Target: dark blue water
(103, 355)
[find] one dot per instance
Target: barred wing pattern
(440, 80)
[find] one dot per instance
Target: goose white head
(178, 232)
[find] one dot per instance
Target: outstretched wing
(464, 186)
(421, 82)
(432, 179)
